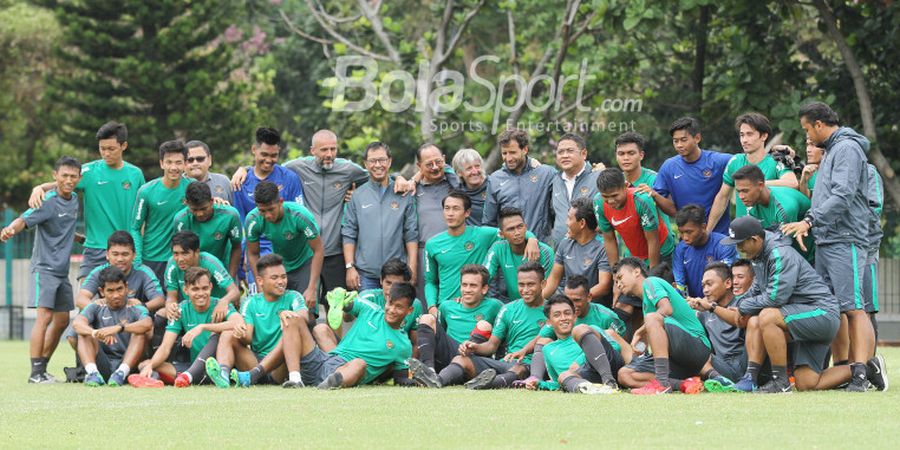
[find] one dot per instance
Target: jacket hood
(847, 133)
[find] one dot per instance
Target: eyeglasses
(196, 158)
(435, 164)
(566, 151)
(374, 161)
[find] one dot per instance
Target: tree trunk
(700, 39)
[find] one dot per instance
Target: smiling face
(714, 287)
(396, 309)
(431, 165)
(172, 165)
(273, 280)
(120, 256)
(265, 157)
(530, 286)
(472, 174)
(378, 163)
(741, 279)
(199, 293)
(198, 163)
(471, 289)
(513, 156)
(561, 318)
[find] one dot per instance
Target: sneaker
(482, 380)
(775, 387)
(117, 379)
(652, 388)
(877, 373)
(719, 384)
(596, 389)
(94, 379)
(746, 384)
(337, 299)
(140, 381)
(214, 372)
(182, 380)
(48, 379)
(857, 385)
(692, 385)
(240, 379)
(423, 374)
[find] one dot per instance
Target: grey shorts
(317, 365)
(732, 367)
(298, 279)
(842, 266)
(51, 292)
(813, 329)
(333, 275)
(870, 282)
(483, 363)
(687, 355)
(92, 258)
(158, 268)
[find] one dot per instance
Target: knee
(626, 377)
(580, 331)
(653, 320)
(428, 319)
(542, 341)
(321, 329)
(769, 317)
(484, 325)
(563, 376)
(753, 323)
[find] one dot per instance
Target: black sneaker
(482, 380)
(423, 374)
(775, 387)
(876, 372)
(288, 384)
(858, 385)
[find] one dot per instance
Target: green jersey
(598, 316)
(811, 183)
(647, 176)
(560, 354)
(517, 324)
(501, 257)
(151, 224)
(109, 196)
(263, 316)
(772, 170)
(374, 341)
(656, 289)
(191, 318)
(411, 322)
(290, 236)
(459, 320)
(218, 235)
(220, 277)
(786, 205)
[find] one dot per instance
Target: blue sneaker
(94, 380)
(746, 384)
(117, 379)
(240, 379)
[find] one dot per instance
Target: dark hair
(513, 134)
(268, 260)
(111, 129)
(110, 274)
(375, 146)
(577, 281)
(721, 269)
(689, 124)
(120, 237)
(424, 147)
(663, 270)
(584, 210)
(555, 300)
(631, 137)
(403, 290)
(193, 274)
(187, 240)
(467, 202)
(632, 262)
(610, 178)
(265, 193)
(532, 266)
(67, 161)
(742, 262)
(508, 211)
(749, 172)
(578, 140)
(197, 193)
(195, 144)
(692, 213)
(176, 146)
(819, 111)
(476, 269)
(396, 267)
(757, 121)
(268, 136)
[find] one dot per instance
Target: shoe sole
(418, 373)
(214, 372)
(882, 365)
(481, 380)
(335, 309)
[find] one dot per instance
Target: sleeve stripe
(776, 277)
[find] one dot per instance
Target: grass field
(65, 415)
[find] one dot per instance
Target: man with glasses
(199, 160)
(575, 179)
(433, 184)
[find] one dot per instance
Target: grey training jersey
(220, 186)
(142, 283)
(429, 212)
(55, 222)
(727, 340)
(102, 316)
(529, 191)
(577, 259)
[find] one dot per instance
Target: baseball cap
(743, 228)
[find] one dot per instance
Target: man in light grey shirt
(198, 162)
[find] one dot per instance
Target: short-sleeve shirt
(103, 316)
(502, 259)
(561, 353)
(109, 197)
(263, 316)
(517, 324)
(220, 187)
(191, 318)
(410, 322)
(220, 277)
(727, 340)
(639, 214)
(696, 182)
(290, 236)
(55, 220)
(689, 262)
(222, 228)
(598, 316)
(587, 260)
(153, 211)
(142, 282)
(771, 169)
(459, 320)
(656, 289)
(374, 341)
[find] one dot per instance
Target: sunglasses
(196, 158)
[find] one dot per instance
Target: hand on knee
(428, 319)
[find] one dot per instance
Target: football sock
(426, 345)
(452, 374)
(596, 356)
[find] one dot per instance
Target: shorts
(483, 363)
(445, 348)
(158, 268)
(870, 282)
(51, 292)
(812, 329)
(732, 367)
(587, 372)
(298, 279)
(317, 365)
(334, 274)
(842, 266)
(687, 355)
(636, 302)
(93, 258)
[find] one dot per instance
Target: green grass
(66, 415)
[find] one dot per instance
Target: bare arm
(665, 204)
(652, 247)
(603, 286)
(720, 204)
(789, 179)
(611, 246)
(553, 280)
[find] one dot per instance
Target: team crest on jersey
(588, 261)
(534, 178)
(484, 194)
(131, 293)
(219, 190)
(338, 186)
(709, 258)
(126, 185)
(280, 187)
(479, 317)
(395, 205)
(390, 345)
(707, 173)
(584, 190)
(541, 323)
(218, 236)
(469, 246)
(288, 235)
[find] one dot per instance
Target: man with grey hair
(197, 164)
(469, 167)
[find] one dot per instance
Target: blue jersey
(694, 183)
(689, 262)
(289, 186)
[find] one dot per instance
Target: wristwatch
(348, 266)
(713, 307)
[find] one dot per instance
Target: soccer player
(197, 165)
(446, 253)
(839, 221)
(694, 176)
(185, 254)
(378, 224)
(197, 330)
(142, 283)
(698, 248)
(506, 255)
(219, 226)
(814, 155)
(294, 235)
(577, 289)
(469, 168)
(157, 202)
(110, 187)
(753, 130)
(51, 292)
(271, 327)
(581, 253)
(629, 155)
(440, 336)
(671, 330)
(111, 337)
(519, 184)
(574, 179)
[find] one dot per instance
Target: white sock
(124, 369)
(294, 377)
(91, 368)
(189, 377)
